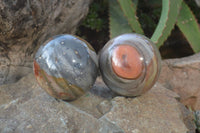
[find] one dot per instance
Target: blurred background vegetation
(96, 27)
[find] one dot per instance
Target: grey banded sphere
(66, 66)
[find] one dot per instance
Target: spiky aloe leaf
(170, 11)
(129, 10)
(188, 25)
(117, 22)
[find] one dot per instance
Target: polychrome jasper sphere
(66, 66)
(130, 64)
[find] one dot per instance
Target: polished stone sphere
(130, 64)
(66, 66)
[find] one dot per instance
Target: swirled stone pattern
(130, 64)
(66, 66)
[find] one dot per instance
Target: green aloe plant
(188, 24)
(170, 11)
(123, 19)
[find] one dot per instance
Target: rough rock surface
(197, 119)
(25, 107)
(25, 24)
(183, 76)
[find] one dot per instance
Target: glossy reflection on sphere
(66, 66)
(130, 64)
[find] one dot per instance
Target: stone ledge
(25, 107)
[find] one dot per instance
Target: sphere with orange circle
(130, 64)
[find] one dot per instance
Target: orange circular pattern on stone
(127, 62)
